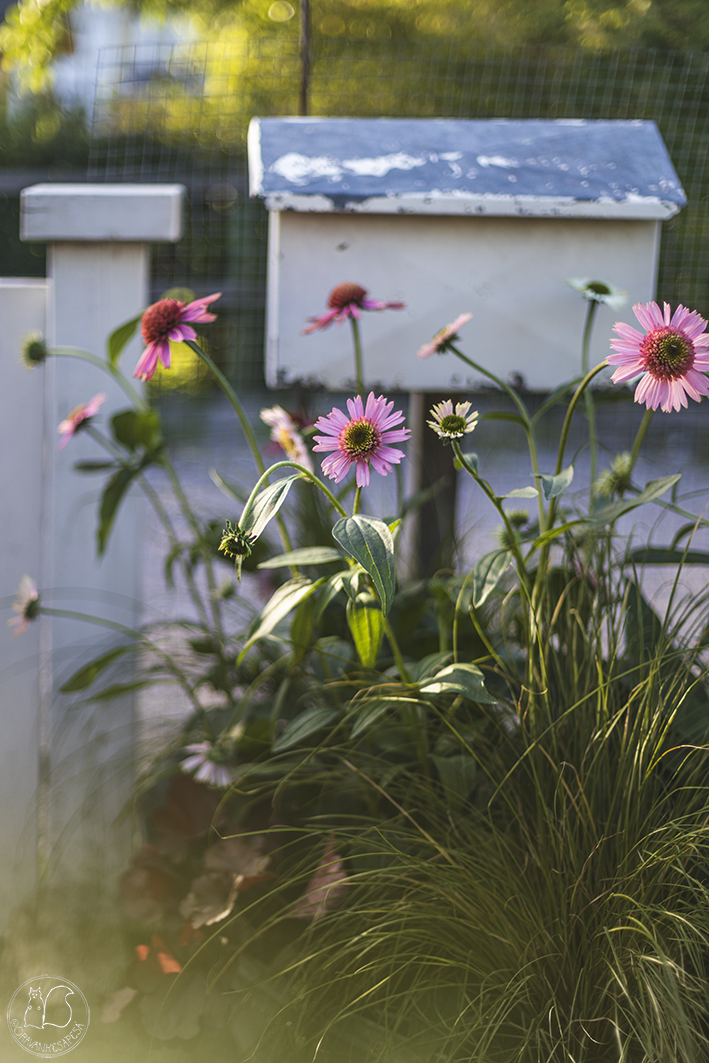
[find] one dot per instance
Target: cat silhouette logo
(48, 1016)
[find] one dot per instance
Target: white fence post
(77, 762)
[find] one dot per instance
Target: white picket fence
(64, 774)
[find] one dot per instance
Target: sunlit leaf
(465, 679)
(369, 541)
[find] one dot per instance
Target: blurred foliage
(37, 30)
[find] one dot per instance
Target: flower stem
(570, 412)
(523, 412)
(588, 400)
(355, 504)
(288, 465)
(391, 638)
(359, 364)
(85, 356)
(644, 425)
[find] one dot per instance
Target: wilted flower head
(79, 418)
(26, 605)
(361, 439)
(617, 479)
(443, 340)
(326, 889)
(237, 544)
(34, 350)
(284, 432)
(599, 292)
(209, 764)
(348, 300)
(452, 424)
(166, 320)
(673, 355)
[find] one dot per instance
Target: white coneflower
(449, 423)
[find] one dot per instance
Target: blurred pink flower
(673, 356)
(442, 340)
(363, 438)
(206, 763)
(79, 417)
(284, 432)
(326, 888)
(26, 606)
(168, 320)
(347, 300)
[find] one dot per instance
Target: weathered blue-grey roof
(569, 168)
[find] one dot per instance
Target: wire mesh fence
(181, 112)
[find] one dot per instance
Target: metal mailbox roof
(566, 168)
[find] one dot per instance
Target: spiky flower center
(159, 318)
(359, 439)
(598, 288)
(235, 542)
(453, 425)
(668, 353)
(31, 609)
(344, 294)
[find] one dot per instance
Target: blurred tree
(36, 30)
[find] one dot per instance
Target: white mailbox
(486, 216)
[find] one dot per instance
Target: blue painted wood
(353, 159)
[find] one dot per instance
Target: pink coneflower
(673, 355)
(442, 341)
(26, 606)
(284, 432)
(363, 438)
(347, 300)
(79, 418)
(208, 764)
(167, 320)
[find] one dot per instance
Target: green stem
(112, 625)
(233, 399)
(485, 487)
(85, 356)
(588, 400)
(359, 364)
(391, 638)
(301, 469)
(644, 425)
(244, 422)
(355, 504)
(569, 414)
(523, 412)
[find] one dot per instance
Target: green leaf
(369, 541)
(287, 597)
(466, 679)
(331, 589)
(89, 672)
(367, 714)
(133, 428)
(500, 415)
(111, 499)
(267, 504)
(366, 624)
(93, 466)
(423, 668)
(119, 338)
(117, 690)
(553, 486)
(653, 490)
(301, 629)
(654, 555)
(487, 574)
(458, 776)
(521, 492)
(315, 555)
(303, 726)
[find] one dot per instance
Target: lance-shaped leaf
(654, 489)
(303, 726)
(366, 624)
(521, 492)
(89, 672)
(553, 486)
(279, 606)
(366, 713)
(465, 679)
(487, 574)
(111, 499)
(119, 338)
(658, 555)
(267, 504)
(313, 555)
(369, 541)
